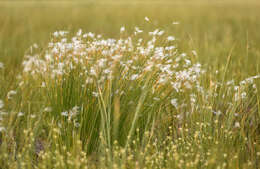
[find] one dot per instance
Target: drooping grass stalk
(137, 111)
(105, 119)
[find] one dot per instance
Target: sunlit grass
(115, 101)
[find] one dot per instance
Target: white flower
(237, 125)
(47, 109)
(217, 112)
(231, 82)
(2, 113)
(56, 34)
(176, 23)
(48, 57)
(20, 114)
(11, 93)
(76, 124)
(174, 103)
(160, 33)
(236, 97)
(122, 29)
(154, 32)
(2, 129)
(147, 19)
(171, 38)
(134, 77)
(33, 116)
(65, 113)
(91, 35)
(43, 84)
(236, 88)
(243, 95)
(137, 30)
(194, 52)
(156, 98)
(35, 45)
(179, 116)
(79, 32)
(73, 112)
(95, 94)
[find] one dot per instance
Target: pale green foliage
(124, 97)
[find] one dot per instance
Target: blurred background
(213, 28)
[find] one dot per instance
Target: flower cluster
(71, 115)
(130, 59)
(128, 62)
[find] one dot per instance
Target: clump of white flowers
(11, 93)
(132, 58)
(128, 61)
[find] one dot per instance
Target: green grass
(140, 128)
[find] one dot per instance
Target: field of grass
(156, 84)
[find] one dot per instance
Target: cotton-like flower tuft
(11, 93)
(171, 38)
(147, 19)
(65, 113)
(122, 29)
(20, 114)
(2, 129)
(174, 103)
(237, 125)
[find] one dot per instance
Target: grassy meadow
(129, 84)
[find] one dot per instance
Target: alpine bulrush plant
(116, 85)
